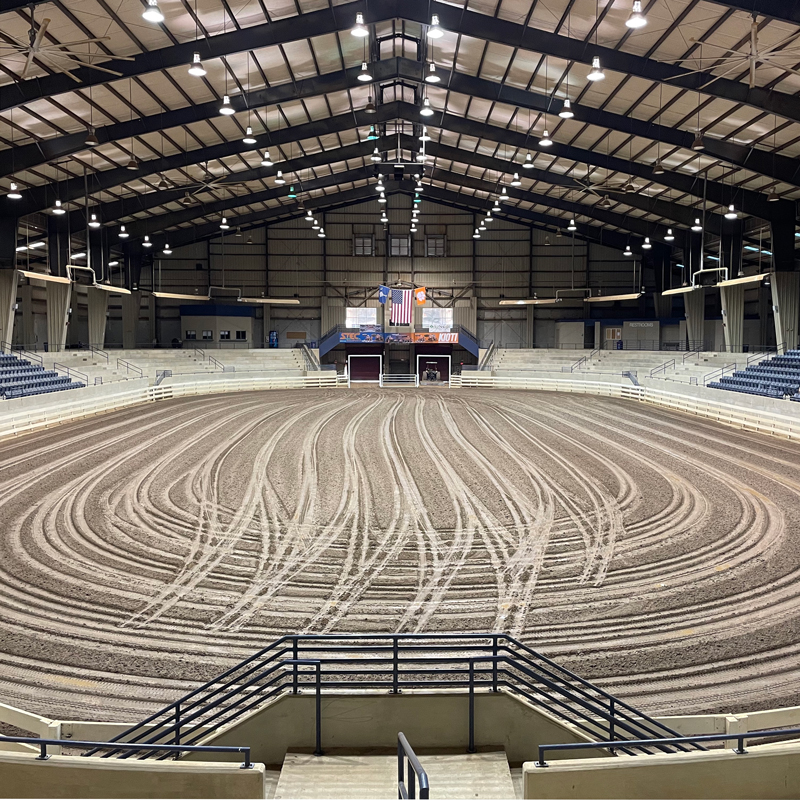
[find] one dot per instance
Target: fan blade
(717, 77)
(79, 42)
(28, 64)
(37, 42)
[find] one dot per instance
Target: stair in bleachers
(773, 377)
(20, 378)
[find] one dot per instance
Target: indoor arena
(399, 399)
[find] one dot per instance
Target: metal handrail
(43, 744)
(373, 661)
(220, 365)
(98, 351)
(406, 787)
(709, 737)
(70, 372)
(662, 367)
(200, 351)
(718, 373)
(21, 352)
(128, 367)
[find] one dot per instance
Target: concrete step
(329, 777)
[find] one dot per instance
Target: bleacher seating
(20, 378)
(774, 377)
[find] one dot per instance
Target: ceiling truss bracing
(504, 75)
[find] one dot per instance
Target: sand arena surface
(148, 549)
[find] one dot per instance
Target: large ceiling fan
(58, 57)
(207, 183)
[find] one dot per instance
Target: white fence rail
(31, 414)
(750, 419)
(399, 380)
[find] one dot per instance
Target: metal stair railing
(406, 786)
(485, 662)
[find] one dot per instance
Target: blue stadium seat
(20, 378)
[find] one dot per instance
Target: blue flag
(383, 294)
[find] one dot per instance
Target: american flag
(402, 308)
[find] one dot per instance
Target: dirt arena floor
(148, 549)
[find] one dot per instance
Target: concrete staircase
(462, 775)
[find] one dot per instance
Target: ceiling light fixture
(370, 107)
(309, 216)
(292, 194)
(372, 136)
(477, 234)
(58, 209)
(167, 250)
(566, 111)
(91, 139)
(152, 13)
(382, 198)
(226, 107)
(279, 179)
(670, 237)
(545, 141)
(224, 224)
(528, 164)
(162, 184)
(658, 168)
(426, 110)
(515, 181)
(248, 136)
(572, 226)
(731, 213)
(132, 164)
(364, 74)
(360, 28)
(413, 228)
(197, 69)
(627, 250)
(147, 242)
(597, 73)
(376, 155)
(321, 233)
(424, 137)
(697, 227)
(697, 144)
(637, 19)
(481, 226)
(434, 31)
(13, 192)
(646, 244)
(432, 77)
(772, 197)
(94, 222)
(123, 234)
(316, 226)
(266, 161)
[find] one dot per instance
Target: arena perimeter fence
(325, 664)
(35, 413)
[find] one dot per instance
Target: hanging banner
(420, 295)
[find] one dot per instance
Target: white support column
(59, 296)
(98, 310)
(733, 317)
(8, 299)
(785, 307)
(695, 303)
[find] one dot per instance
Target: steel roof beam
(465, 22)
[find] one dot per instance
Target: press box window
(399, 245)
(363, 246)
(208, 335)
(356, 317)
(190, 335)
(241, 336)
(439, 318)
(224, 335)
(435, 246)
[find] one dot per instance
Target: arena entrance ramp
(470, 664)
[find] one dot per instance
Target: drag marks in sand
(155, 546)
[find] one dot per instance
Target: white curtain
(8, 297)
(733, 317)
(58, 300)
(785, 306)
(98, 308)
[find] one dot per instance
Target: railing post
(294, 667)
(177, 737)
(411, 784)
(471, 746)
(494, 663)
(395, 666)
(318, 750)
(42, 752)
(611, 711)
(400, 767)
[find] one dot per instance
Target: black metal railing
(407, 784)
(476, 662)
(674, 740)
(43, 744)
(128, 367)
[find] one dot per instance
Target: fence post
(318, 750)
(294, 667)
(494, 663)
(177, 737)
(395, 667)
(471, 747)
(611, 711)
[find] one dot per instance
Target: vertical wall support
(695, 304)
(785, 306)
(130, 318)
(98, 310)
(732, 298)
(59, 297)
(8, 299)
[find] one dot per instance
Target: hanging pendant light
(266, 161)
(248, 136)
(658, 168)
(321, 233)
(372, 136)
(496, 207)
(379, 187)
(515, 181)
(93, 221)
(123, 234)
(627, 250)
(424, 137)
(146, 242)
(187, 199)
(670, 237)
(292, 194)
(420, 157)
(197, 69)
(426, 110)
(432, 77)
(420, 187)
(13, 192)
(376, 155)
(477, 234)
(697, 227)
(566, 111)
(646, 244)
(152, 13)
(413, 228)
(223, 225)
(370, 107)
(503, 195)
(309, 216)
(698, 144)
(637, 19)
(58, 209)
(572, 226)
(167, 250)
(226, 108)
(364, 75)
(545, 141)
(382, 198)
(434, 31)
(316, 226)
(597, 73)
(360, 29)
(528, 163)
(91, 139)
(162, 184)
(605, 202)
(489, 217)
(279, 179)
(133, 164)
(731, 213)
(772, 197)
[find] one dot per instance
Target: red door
(365, 368)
